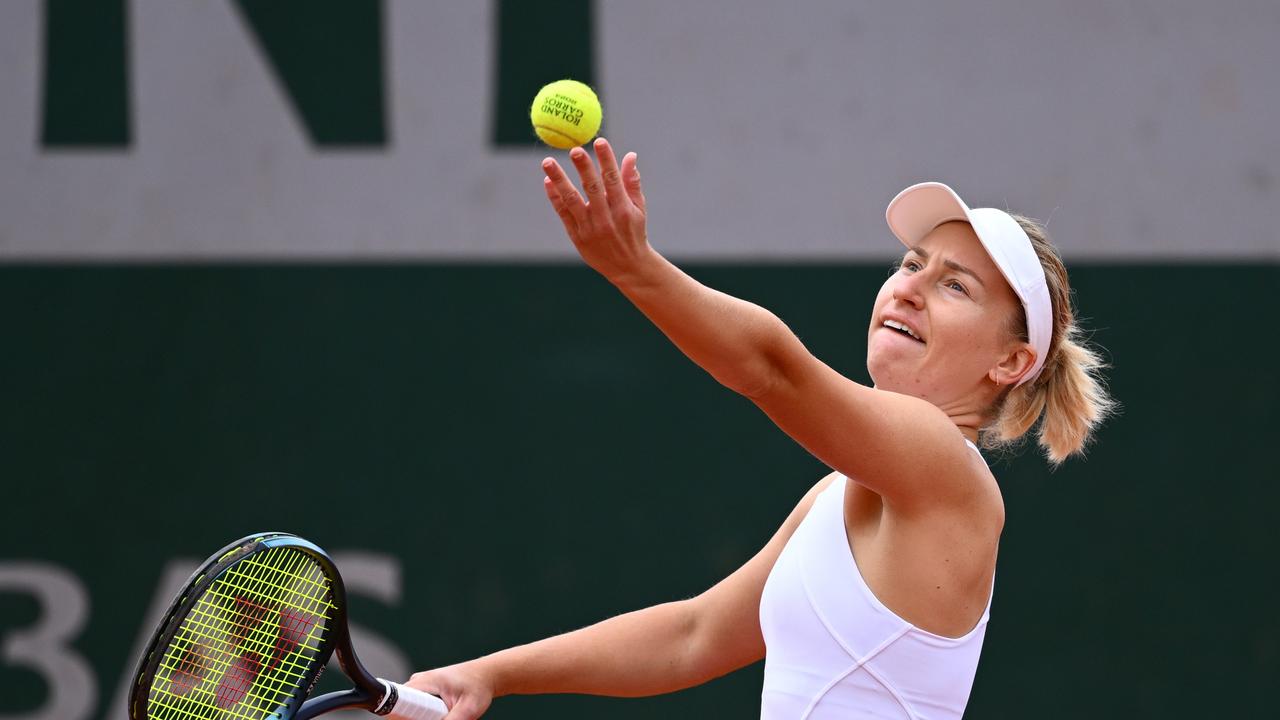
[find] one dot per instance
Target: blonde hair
(1069, 397)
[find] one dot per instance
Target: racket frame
(369, 692)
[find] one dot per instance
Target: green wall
(540, 458)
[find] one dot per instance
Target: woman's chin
(885, 364)
(895, 373)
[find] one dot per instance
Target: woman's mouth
(898, 328)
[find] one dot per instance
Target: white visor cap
(916, 211)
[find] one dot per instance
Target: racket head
(246, 637)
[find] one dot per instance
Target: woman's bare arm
(657, 650)
(899, 446)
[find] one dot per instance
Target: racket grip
(414, 704)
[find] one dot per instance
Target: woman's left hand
(608, 227)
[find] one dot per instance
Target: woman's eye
(956, 284)
(909, 265)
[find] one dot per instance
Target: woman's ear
(1014, 365)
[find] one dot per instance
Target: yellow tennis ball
(565, 114)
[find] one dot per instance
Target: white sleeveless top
(833, 650)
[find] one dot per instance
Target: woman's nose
(907, 289)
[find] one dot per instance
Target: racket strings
(252, 633)
(247, 645)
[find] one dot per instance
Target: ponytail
(1069, 398)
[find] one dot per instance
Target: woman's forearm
(740, 343)
(646, 652)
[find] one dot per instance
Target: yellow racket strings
(249, 642)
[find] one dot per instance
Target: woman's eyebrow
(951, 264)
(962, 269)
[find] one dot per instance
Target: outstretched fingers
(619, 201)
(564, 197)
(593, 186)
(566, 217)
(631, 180)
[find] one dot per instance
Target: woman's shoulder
(966, 489)
(976, 500)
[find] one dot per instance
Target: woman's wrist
(644, 271)
(492, 671)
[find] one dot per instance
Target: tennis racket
(249, 635)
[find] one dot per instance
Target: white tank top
(833, 650)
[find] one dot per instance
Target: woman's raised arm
(899, 446)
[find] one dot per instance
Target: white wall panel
(766, 131)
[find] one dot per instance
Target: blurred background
(287, 265)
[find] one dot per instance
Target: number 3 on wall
(45, 646)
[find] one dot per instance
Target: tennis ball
(565, 114)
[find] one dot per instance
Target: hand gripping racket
(248, 637)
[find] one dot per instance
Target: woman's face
(953, 297)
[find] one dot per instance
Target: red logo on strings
(291, 631)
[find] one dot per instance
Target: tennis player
(872, 599)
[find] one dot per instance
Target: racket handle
(414, 704)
